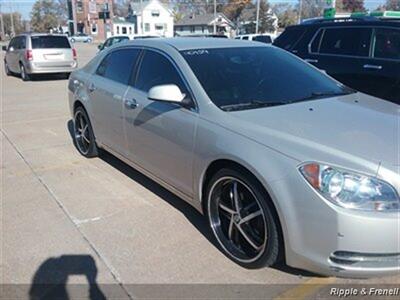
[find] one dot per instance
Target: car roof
(346, 22)
(181, 43)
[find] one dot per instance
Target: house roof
(204, 19)
(136, 8)
(119, 20)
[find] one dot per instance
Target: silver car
(284, 161)
(30, 54)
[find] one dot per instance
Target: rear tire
(7, 69)
(24, 76)
(243, 219)
(84, 139)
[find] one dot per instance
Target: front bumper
(326, 239)
(45, 68)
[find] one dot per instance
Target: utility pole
(257, 15)
(215, 17)
(3, 35)
(74, 25)
(12, 20)
(141, 17)
(300, 10)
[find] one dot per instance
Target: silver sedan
(285, 162)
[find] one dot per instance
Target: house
(247, 21)
(122, 26)
(204, 24)
(152, 18)
(90, 17)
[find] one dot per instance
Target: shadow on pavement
(44, 77)
(50, 279)
(195, 217)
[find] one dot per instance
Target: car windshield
(46, 42)
(251, 77)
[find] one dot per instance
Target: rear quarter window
(290, 37)
(49, 42)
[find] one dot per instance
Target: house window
(192, 29)
(130, 30)
(79, 6)
(147, 27)
(159, 27)
(93, 28)
(155, 13)
(124, 31)
(117, 29)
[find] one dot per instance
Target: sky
(25, 6)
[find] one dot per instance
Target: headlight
(351, 190)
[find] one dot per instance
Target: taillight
(28, 54)
(74, 53)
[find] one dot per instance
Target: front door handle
(131, 104)
(373, 67)
(311, 60)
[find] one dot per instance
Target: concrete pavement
(61, 211)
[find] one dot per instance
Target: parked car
(283, 160)
(263, 38)
(29, 54)
(363, 53)
(112, 41)
(81, 37)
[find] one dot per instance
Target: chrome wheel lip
(214, 227)
(79, 137)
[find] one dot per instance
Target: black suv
(362, 53)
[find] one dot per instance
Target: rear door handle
(91, 87)
(131, 104)
(311, 60)
(373, 67)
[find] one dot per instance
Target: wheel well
(77, 104)
(217, 165)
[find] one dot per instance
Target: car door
(341, 52)
(107, 90)
(382, 70)
(160, 135)
(11, 55)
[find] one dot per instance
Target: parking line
(305, 289)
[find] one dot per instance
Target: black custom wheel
(83, 134)
(24, 76)
(242, 220)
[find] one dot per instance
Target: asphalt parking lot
(67, 218)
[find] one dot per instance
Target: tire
(84, 138)
(24, 76)
(251, 238)
(7, 69)
(89, 41)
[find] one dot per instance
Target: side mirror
(100, 46)
(166, 93)
(4, 48)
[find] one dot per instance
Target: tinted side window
(289, 37)
(263, 39)
(12, 43)
(387, 43)
(156, 69)
(346, 41)
(245, 38)
(118, 65)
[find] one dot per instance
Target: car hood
(353, 131)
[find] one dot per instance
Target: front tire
(243, 220)
(84, 138)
